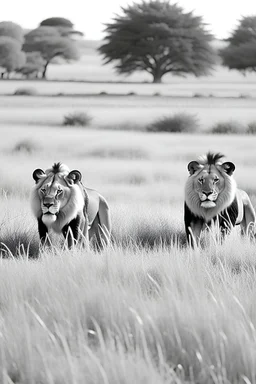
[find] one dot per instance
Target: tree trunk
(45, 69)
(157, 77)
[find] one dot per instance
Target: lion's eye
(43, 190)
(216, 179)
(201, 180)
(59, 191)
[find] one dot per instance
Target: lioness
(61, 202)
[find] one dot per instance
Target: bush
(25, 91)
(198, 95)
(81, 119)
(180, 122)
(244, 96)
(26, 146)
(251, 128)
(228, 127)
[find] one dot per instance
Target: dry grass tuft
(78, 119)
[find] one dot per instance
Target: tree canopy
(49, 42)
(11, 56)
(57, 22)
(10, 29)
(64, 26)
(240, 54)
(159, 38)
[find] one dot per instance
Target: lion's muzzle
(50, 208)
(208, 199)
(50, 211)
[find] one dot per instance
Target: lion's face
(52, 194)
(53, 197)
(209, 186)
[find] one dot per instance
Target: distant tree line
(29, 54)
(156, 37)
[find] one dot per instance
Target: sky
(89, 16)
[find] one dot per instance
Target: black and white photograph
(128, 192)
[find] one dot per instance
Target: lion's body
(61, 203)
(211, 196)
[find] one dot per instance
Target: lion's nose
(207, 193)
(48, 205)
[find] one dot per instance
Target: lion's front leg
(193, 226)
(194, 231)
(43, 233)
(85, 233)
(71, 231)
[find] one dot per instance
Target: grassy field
(148, 309)
(116, 111)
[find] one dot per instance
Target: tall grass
(166, 315)
(146, 310)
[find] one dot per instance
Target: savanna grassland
(148, 309)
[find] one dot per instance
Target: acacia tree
(159, 38)
(65, 26)
(10, 29)
(49, 42)
(240, 54)
(11, 56)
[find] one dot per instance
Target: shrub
(228, 127)
(81, 119)
(157, 94)
(198, 95)
(244, 96)
(131, 94)
(251, 128)
(26, 146)
(25, 91)
(180, 122)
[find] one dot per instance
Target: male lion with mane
(211, 196)
(61, 203)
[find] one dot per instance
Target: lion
(211, 196)
(61, 203)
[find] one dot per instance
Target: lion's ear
(193, 166)
(74, 177)
(228, 167)
(38, 174)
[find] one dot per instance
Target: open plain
(148, 309)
